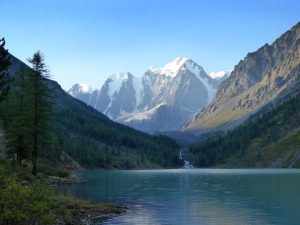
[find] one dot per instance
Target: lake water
(197, 196)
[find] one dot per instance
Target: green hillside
(270, 138)
(93, 140)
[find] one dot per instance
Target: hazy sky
(85, 41)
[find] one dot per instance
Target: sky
(85, 41)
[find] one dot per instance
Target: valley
(91, 134)
(200, 110)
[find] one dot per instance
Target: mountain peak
(80, 88)
(176, 63)
(171, 69)
(219, 75)
(120, 76)
(85, 88)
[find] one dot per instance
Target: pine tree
(18, 109)
(41, 107)
(4, 64)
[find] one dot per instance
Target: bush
(52, 171)
(26, 204)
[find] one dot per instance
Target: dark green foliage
(95, 141)
(30, 203)
(4, 64)
(40, 106)
(18, 109)
(82, 132)
(235, 146)
(26, 112)
(28, 200)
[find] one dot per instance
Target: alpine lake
(196, 196)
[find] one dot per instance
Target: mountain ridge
(256, 80)
(170, 89)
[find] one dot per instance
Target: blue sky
(85, 41)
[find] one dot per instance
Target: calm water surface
(197, 196)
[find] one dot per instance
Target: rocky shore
(55, 180)
(80, 212)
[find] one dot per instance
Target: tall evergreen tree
(41, 107)
(4, 64)
(18, 109)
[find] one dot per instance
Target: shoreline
(83, 211)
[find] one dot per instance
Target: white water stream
(187, 164)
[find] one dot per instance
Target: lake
(197, 196)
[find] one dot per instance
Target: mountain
(269, 138)
(178, 82)
(94, 140)
(159, 118)
(220, 75)
(161, 100)
(271, 74)
(83, 92)
(121, 93)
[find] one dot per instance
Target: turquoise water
(197, 196)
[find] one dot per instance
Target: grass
(25, 199)
(223, 118)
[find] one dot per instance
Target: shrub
(26, 204)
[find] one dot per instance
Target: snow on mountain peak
(175, 64)
(220, 74)
(80, 89)
(171, 69)
(119, 76)
(116, 81)
(84, 88)
(145, 101)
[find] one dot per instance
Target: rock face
(267, 74)
(161, 100)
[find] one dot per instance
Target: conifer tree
(18, 108)
(41, 107)
(4, 64)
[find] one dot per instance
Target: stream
(183, 155)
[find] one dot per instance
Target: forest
(39, 125)
(42, 121)
(255, 143)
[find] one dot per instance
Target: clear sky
(85, 41)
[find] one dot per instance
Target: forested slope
(270, 138)
(95, 141)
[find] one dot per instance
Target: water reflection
(197, 196)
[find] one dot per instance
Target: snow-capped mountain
(177, 80)
(81, 92)
(80, 89)
(161, 100)
(220, 75)
(120, 94)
